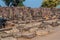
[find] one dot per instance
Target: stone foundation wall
(24, 13)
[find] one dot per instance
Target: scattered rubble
(29, 30)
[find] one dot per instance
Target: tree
(14, 2)
(50, 3)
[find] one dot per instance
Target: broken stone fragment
(49, 28)
(50, 21)
(54, 17)
(43, 26)
(32, 25)
(6, 35)
(15, 21)
(8, 38)
(28, 34)
(12, 31)
(54, 24)
(17, 35)
(33, 29)
(10, 24)
(58, 22)
(15, 29)
(41, 32)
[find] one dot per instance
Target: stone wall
(24, 13)
(19, 26)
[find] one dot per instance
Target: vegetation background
(32, 3)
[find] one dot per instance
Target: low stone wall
(24, 13)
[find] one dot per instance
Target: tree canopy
(50, 3)
(14, 2)
(46, 3)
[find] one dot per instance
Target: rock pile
(29, 30)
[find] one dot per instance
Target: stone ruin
(28, 22)
(24, 13)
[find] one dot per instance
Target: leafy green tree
(50, 3)
(14, 2)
